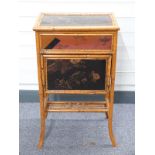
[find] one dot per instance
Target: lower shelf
(74, 106)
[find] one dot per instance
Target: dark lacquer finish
(76, 20)
(76, 74)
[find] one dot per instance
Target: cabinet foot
(42, 133)
(111, 134)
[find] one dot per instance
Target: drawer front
(77, 42)
(76, 73)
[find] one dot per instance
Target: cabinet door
(82, 72)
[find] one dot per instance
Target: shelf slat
(74, 106)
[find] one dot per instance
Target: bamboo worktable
(76, 54)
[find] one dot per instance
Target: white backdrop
(28, 10)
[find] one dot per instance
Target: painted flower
(75, 61)
(95, 76)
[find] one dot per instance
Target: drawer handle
(54, 42)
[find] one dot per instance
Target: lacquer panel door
(77, 73)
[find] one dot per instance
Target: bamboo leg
(41, 93)
(109, 115)
(42, 133)
(111, 93)
(112, 138)
(42, 128)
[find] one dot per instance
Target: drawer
(79, 42)
(73, 73)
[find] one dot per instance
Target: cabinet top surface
(76, 21)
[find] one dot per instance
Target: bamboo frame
(77, 106)
(41, 93)
(111, 93)
(75, 52)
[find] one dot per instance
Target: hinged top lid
(76, 21)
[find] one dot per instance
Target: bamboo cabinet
(76, 54)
